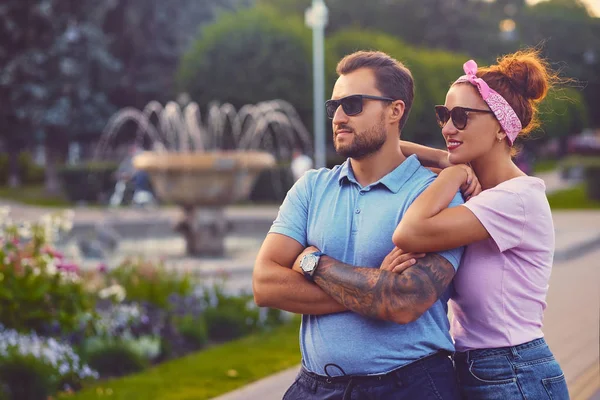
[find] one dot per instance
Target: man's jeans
(431, 377)
(526, 371)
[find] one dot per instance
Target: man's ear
(397, 113)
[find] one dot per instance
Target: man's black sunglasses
(352, 105)
(459, 115)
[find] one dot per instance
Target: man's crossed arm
(374, 292)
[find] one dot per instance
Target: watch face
(308, 262)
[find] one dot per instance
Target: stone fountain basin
(207, 179)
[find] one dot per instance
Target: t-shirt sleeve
(292, 218)
(454, 255)
(502, 213)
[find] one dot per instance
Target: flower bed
(63, 327)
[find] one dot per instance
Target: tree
(569, 35)
(153, 35)
(54, 73)
(457, 25)
(248, 57)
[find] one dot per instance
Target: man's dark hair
(393, 79)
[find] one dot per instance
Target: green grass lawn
(574, 198)
(32, 195)
(544, 166)
(208, 373)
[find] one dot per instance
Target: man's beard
(363, 144)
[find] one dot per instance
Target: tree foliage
(568, 35)
(55, 68)
(153, 35)
(248, 57)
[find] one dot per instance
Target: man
(367, 332)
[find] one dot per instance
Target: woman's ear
(500, 135)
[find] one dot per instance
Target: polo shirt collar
(392, 181)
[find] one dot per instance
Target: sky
(593, 5)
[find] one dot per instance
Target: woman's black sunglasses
(352, 105)
(459, 115)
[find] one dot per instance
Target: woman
(500, 287)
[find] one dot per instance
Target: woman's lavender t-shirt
(502, 283)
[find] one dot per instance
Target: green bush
(231, 318)
(29, 172)
(34, 367)
(274, 318)
(88, 182)
(148, 282)
(592, 181)
(38, 301)
(38, 290)
(562, 113)
(193, 330)
(114, 357)
(590, 165)
(27, 378)
(4, 391)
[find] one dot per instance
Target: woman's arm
(428, 156)
(429, 225)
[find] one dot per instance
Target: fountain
(205, 167)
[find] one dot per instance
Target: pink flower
(54, 253)
(102, 268)
(68, 267)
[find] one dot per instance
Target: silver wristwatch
(309, 264)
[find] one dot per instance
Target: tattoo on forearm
(382, 294)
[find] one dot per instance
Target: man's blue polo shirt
(353, 224)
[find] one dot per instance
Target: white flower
(66, 222)
(51, 268)
(4, 214)
(116, 291)
(64, 368)
(24, 231)
(58, 355)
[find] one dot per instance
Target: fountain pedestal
(204, 231)
(203, 184)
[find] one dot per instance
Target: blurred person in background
(300, 164)
(131, 179)
(501, 286)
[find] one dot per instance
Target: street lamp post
(316, 18)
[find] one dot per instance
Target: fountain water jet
(206, 167)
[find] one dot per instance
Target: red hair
(523, 79)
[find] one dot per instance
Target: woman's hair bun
(528, 73)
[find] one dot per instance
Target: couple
(375, 322)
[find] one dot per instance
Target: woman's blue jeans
(526, 371)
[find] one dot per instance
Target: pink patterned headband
(502, 110)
